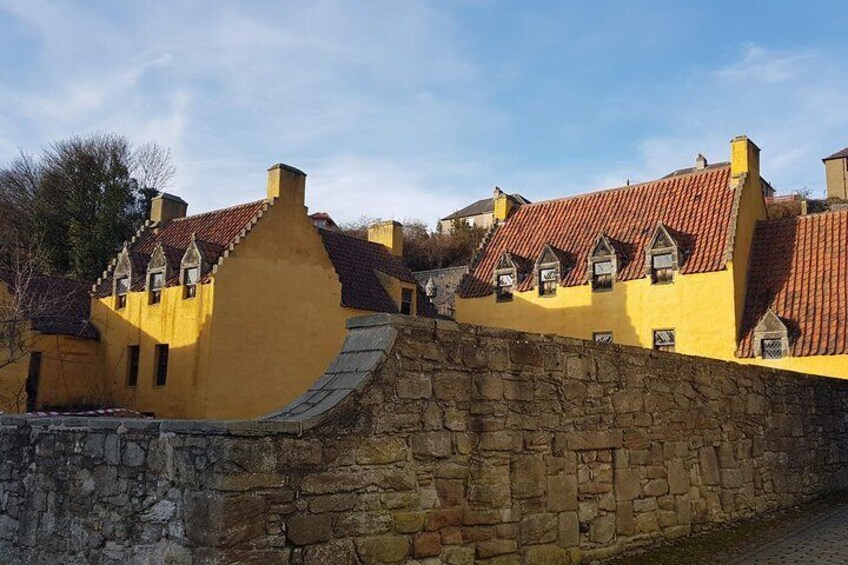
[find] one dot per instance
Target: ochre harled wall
(278, 319)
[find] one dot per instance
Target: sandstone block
(337, 552)
(527, 476)
(655, 487)
(546, 556)
(458, 556)
(569, 529)
(304, 529)
(539, 528)
(602, 529)
(452, 387)
(432, 444)
(709, 466)
(678, 477)
(587, 440)
(426, 544)
(383, 549)
(495, 547)
(488, 387)
(413, 387)
(439, 518)
(625, 522)
(562, 493)
(381, 451)
(408, 522)
(525, 353)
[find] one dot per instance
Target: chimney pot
(700, 162)
(165, 207)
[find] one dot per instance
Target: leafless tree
(153, 167)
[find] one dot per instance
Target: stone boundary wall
(431, 442)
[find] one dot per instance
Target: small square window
(162, 353)
(157, 281)
(602, 337)
(122, 287)
(547, 281)
(406, 301)
(664, 340)
(191, 276)
(506, 281)
(132, 365)
(772, 348)
(602, 272)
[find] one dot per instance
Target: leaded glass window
(772, 348)
(506, 282)
(602, 273)
(602, 337)
(664, 340)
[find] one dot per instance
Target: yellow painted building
(236, 312)
(687, 263)
(50, 357)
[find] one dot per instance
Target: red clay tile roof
(697, 209)
(58, 306)
(799, 269)
(356, 260)
(216, 229)
(838, 155)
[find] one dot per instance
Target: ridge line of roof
(625, 187)
(226, 209)
(803, 217)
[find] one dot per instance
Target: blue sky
(413, 109)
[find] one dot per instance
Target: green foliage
(80, 200)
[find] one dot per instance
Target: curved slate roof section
(697, 208)
(799, 269)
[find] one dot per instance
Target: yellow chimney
(503, 205)
(287, 184)
(166, 207)
(388, 234)
(744, 157)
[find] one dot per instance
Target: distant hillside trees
(424, 249)
(79, 199)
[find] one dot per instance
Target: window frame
(662, 243)
(160, 375)
(764, 348)
(155, 293)
(407, 297)
(133, 363)
(596, 335)
(501, 292)
(667, 347)
(121, 297)
(190, 289)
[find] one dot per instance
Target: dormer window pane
(122, 287)
(662, 268)
(602, 272)
(547, 281)
(191, 276)
(505, 284)
(772, 348)
(406, 301)
(157, 281)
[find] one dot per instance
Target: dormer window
(191, 276)
(603, 265)
(506, 277)
(662, 257)
(122, 287)
(506, 283)
(602, 273)
(406, 295)
(548, 269)
(771, 337)
(155, 285)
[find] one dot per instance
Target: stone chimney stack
(836, 175)
(166, 207)
(744, 157)
(388, 234)
(287, 184)
(700, 162)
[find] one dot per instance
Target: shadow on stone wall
(432, 439)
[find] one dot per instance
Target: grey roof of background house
(484, 206)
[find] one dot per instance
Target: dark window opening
(662, 268)
(122, 287)
(772, 348)
(406, 301)
(162, 353)
(191, 276)
(664, 340)
(133, 352)
(157, 281)
(506, 282)
(547, 281)
(33, 378)
(602, 337)
(602, 273)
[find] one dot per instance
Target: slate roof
(696, 207)
(484, 206)
(838, 155)
(356, 262)
(68, 301)
(799, 269)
